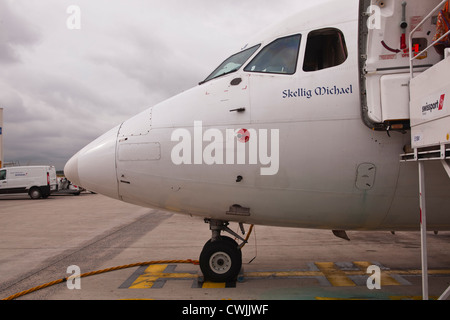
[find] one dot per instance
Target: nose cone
(71, 170)
(94, 166)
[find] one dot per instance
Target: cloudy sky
(60, 88)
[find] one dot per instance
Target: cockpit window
(280, 57)
(232, 64)
(325, 49)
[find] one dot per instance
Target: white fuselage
(310, 161)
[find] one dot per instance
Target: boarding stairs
(430, 127)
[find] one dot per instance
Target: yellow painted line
(390, 298)
(177, 275)
(419, 272)
(148, 278)
(335, 276)
(282, 274)
(213, 285)
(386, 280)
(411, 298)
(156, 272)
(330, 298)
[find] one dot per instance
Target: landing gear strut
(221, 257)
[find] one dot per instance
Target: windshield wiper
(220, 75)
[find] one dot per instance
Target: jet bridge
(430, 125)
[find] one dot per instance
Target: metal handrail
(413, 57)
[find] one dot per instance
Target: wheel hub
(220, 262)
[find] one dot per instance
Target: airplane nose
(94, 166)
(71, 170)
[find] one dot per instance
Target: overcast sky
(60, 88)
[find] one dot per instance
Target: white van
(37, 181)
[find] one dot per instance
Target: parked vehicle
(36, 181)
(67, 187)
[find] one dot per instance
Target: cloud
(62, 88)
(15, 34)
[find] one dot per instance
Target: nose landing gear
(221, 257)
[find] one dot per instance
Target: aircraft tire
(221, 260)
(230, 241)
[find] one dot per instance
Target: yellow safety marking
(148, 278)
(390, 298)
(213, 285)
(386, 280)
(282, 274)
(419, 272)
(330, 298)
(334, 275)
(155, 272)
(411, 298)
(177, 275)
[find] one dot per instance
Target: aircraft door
(385, 56)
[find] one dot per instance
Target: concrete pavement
(40, 239)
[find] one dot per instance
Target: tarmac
(45, 240)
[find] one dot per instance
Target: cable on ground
(87, 274)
